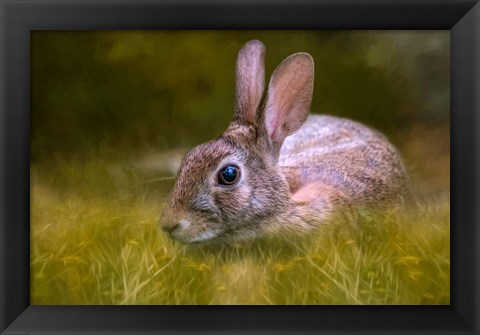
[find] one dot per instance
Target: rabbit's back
(345, 155)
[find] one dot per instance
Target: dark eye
(229, 175)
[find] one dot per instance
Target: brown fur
(296, 172)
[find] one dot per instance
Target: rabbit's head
(231, 187)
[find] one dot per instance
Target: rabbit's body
(354, 160)
(275, 168)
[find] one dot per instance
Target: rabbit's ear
(289, 97)
(250, 78)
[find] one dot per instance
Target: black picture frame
(19, 17)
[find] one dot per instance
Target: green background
(136, 89)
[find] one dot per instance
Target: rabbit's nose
(168, 222)
(169, 226)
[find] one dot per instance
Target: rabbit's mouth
(205, 237)
(187, 235)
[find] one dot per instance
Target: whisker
(157, 179)
(154, 181)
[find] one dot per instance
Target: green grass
(94, 240)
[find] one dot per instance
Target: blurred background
(135, 94)
(112, 113)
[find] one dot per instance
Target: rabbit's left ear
(250, 78)
(289, 97)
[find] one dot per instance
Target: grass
(94, 240)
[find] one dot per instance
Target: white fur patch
(204, 236)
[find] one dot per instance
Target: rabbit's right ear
(288, 98)
(250, 79)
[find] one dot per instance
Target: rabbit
(276, 168)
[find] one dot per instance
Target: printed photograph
(296, 167)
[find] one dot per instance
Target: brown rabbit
(276, 168)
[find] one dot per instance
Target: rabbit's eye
(229, 175)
